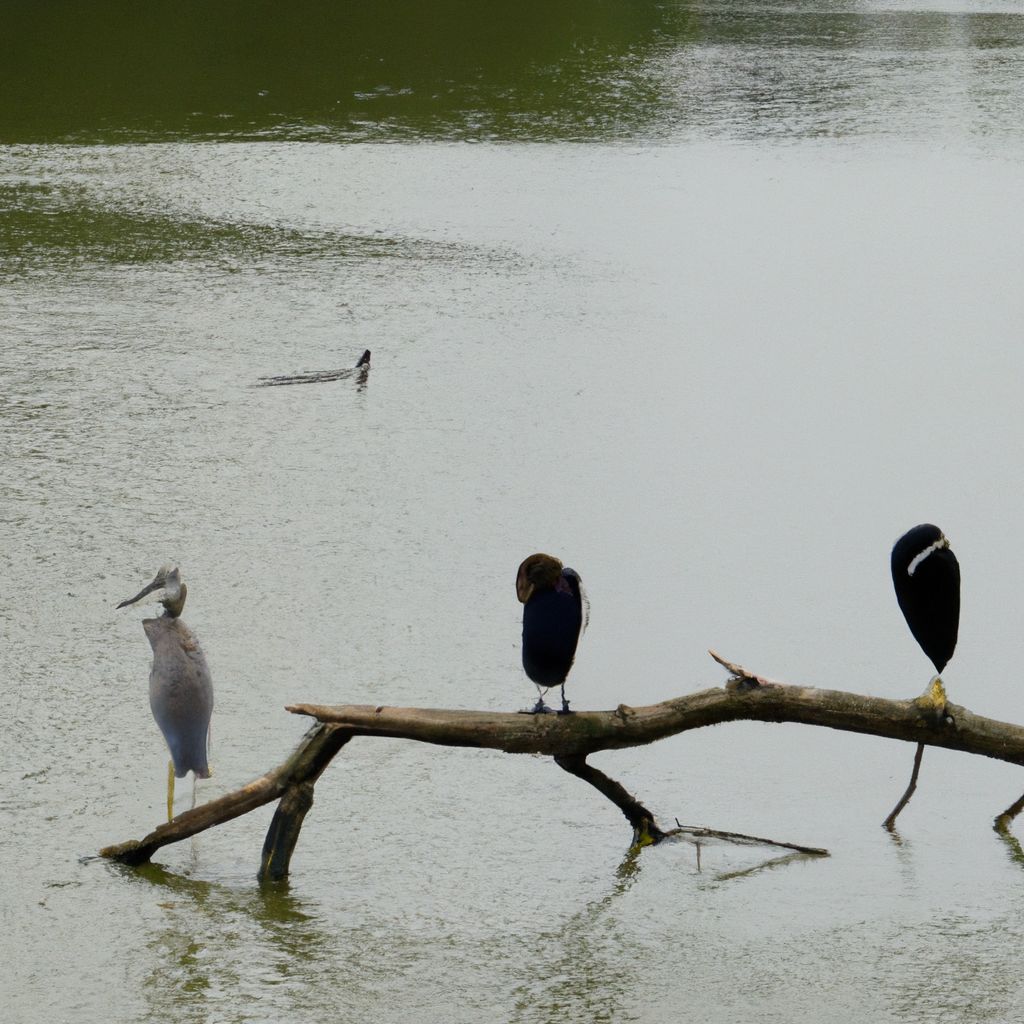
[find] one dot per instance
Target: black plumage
(554, 616)
(926, 576)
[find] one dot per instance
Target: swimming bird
(926, 576)
(180, 689)
(554, 617)
(360, 372)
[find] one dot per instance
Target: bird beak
(155, 585)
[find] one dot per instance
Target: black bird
(926, 576)
(554, 617)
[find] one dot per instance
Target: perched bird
(554, 616)
(926, 576)
(180, 690)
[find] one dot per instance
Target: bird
(360, 372)
(555, 613)
(926, 576)
(180, 688)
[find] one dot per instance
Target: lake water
(713, 301)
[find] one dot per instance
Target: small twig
(698, 832)
(742, 679)
(890, 822)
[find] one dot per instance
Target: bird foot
(540, 708)
(565, 708)
(933, 701)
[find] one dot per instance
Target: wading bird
(180, 690)
(554, 617)
(926, 577)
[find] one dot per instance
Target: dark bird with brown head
(180, 689)
(554, 617)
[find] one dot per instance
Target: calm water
(711, 300)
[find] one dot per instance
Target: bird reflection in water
(555, 612)
(180, 689)
(360, 373)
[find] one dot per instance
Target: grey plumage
(180, 687)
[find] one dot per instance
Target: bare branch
(645, 829)
(586, 732)
(1004, 820)
(306, 763)
(699, 835)
(927, 721)
(890, 822)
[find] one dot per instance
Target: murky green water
(711, 300)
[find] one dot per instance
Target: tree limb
(747, 698)
(927, 720)
(890, 822)
(1004, 820)
(645, 829)
(306, 763)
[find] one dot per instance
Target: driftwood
(570, 739)
(291, 783)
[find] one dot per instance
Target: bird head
(915, 546)
(538, 572)
(169, 581)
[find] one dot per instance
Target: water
(712, 302)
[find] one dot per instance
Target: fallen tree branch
(586, 732)
(305, 765)
(570, 739)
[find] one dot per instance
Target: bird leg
(540, 708)
(170, 790)
(565, 704)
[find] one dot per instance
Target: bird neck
(173, 607)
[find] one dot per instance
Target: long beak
(155, 585)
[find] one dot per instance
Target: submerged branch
(645, 829)
(890, 822)
(699, 835)
(1004, 820)
(306, 763)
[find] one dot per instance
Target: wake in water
(360, 371)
